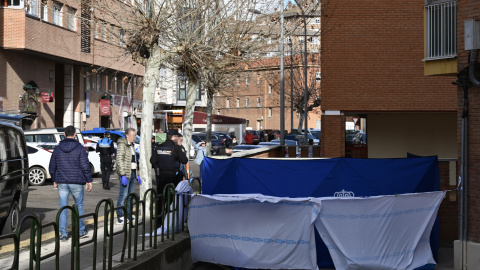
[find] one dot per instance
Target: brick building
(374, 61)
(254, 93)
(46, 50)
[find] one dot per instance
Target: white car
(48, 138)
(38, 160)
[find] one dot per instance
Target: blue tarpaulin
(323, 178)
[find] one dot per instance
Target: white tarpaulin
(384, 232)
(253, 231)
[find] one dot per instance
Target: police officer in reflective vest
(107, 150)
(166, 160)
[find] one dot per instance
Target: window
(32, 7)
(57, 13)
(270, 112)
(238, 103)
(100, 81)
(71, 19)
(238, 81)
(228, 103)
(269, 88)
(441, 23)
(300, 40)
(258, 102)
(119, 83)
(259, 79)
(48, 138)
(85, 26)
(3, 145)
(182, 87)
(103, 31)
(247, 80)
(316, 21)
(318, 76)
(15, 3)
(315, 40)
(15, 144)
(247, 103)
(218, 111)
(88, 82)
(199, 91)
(44, 10)
(121, 38)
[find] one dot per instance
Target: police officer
(107, 150)
(166, 160)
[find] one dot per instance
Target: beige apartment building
(63, 67)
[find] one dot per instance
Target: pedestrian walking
(70, 171)
(127, 165)
(107, 150)
(168, 157)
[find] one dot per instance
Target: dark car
(256, 136)
(218, 146)
(225, 138)
(13, 176)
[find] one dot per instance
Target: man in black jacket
(166, 160)
(70, 171)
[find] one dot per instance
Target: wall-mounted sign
(105, 107)
(47, 97)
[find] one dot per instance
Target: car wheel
(13, 219)
(92, 170)
(37, 176)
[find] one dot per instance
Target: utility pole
(291, 85)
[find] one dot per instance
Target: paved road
(43, 200)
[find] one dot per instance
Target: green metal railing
(170, 209)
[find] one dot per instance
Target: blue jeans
(64, 190)
(124, 191)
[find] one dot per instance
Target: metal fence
(170, 208)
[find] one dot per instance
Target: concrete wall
(392, 135)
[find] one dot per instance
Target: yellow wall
(441, 67)
(392, 135)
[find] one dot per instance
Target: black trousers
(163, 179)
(106, 167)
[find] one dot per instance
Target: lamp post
(291, 84)
(282, 79)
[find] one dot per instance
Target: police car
(97, 134)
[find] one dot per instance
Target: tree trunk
(149, 85)
(300, 123)
(209, 120)
(188, 117)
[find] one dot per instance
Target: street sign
(355, 120)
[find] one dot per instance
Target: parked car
(39, 160)
(244, 147)
(48, 138)
(256, 136)
(287, 142)
(316, 133)
(114, 136)
(226, 139)
(218, 146)
(13, 176)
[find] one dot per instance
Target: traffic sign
(355, 120)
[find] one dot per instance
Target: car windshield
(316, 134)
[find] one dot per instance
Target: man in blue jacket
(70, 171)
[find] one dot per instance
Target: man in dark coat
(166, 160)
(70, 171)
